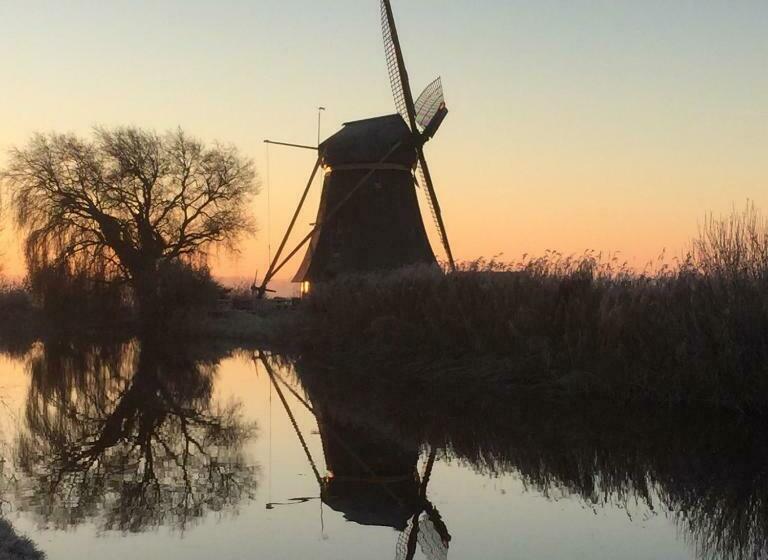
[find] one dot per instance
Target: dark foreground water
(131, 451)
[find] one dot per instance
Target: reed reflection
(129, 435)
(705, 472)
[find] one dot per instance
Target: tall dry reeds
(734, 246)
(694, 331)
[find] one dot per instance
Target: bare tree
(128, 200)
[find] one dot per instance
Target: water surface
(131, 450)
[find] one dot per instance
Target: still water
(149, 451)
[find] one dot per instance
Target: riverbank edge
(290, 333)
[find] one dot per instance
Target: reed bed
(694, 331)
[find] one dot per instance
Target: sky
(606, 125)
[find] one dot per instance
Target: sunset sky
(604, 125)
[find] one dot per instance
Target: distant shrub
(71, 294)
(85, 295)
(184, 287)
(14, 300)
(19, 321)
(242, 297)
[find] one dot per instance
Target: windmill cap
(368, 141)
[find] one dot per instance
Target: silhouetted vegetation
(125, 208)
(695, 332)
(76, 296)
(20, 322)
(14, 299)
(14, 547)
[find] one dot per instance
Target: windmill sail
(429, 103)
(422, 180)
(433, 544)
(401, 89)
(393, 64)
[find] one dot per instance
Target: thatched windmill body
(369, 218)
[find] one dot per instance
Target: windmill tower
(369, 218)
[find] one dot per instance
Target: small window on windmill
(306, 286)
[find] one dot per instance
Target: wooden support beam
(302, 146)
(272, 271)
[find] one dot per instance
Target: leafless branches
(128, 199)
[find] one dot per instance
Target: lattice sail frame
(422, 180)
(395, 79)
(429, 103)
(432, 545)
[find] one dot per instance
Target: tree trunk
(145, 286)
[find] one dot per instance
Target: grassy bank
(693, 333)
(22, 323)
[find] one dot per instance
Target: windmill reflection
(706, 472)
(129, 434)
(373, 478)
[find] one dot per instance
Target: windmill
(369, 218)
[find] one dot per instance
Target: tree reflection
(129, 434)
